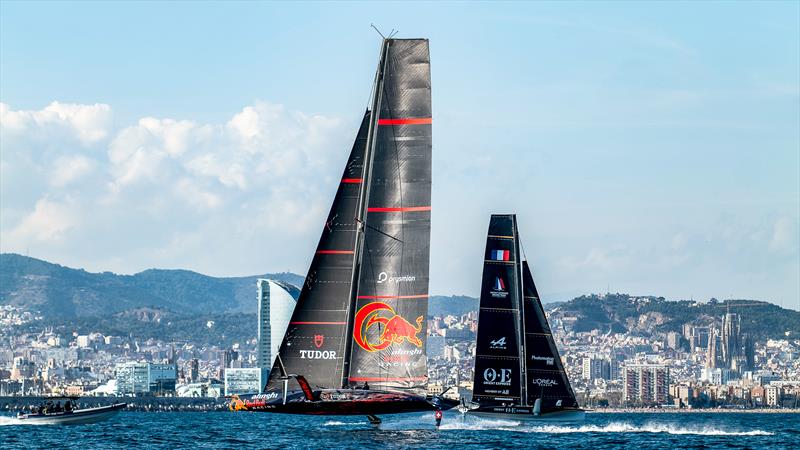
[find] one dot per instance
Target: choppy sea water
(260, 430)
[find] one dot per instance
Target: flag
(501, 255)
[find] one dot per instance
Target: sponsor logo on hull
(317, 354)
(496, 377)
(396, 328)
(549, 360)
(319, 339)
(543, 382)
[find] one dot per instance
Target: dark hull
(526, 414)
(341, 402)
(78, 416)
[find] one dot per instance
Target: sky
(648, 148)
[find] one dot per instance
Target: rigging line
(523, 249)
(379, 31)
(366, 225)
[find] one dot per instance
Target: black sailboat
(518, 372)
(356, 341)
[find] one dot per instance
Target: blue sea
(259, 430)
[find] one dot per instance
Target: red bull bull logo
(395, 330)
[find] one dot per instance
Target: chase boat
(70, 416)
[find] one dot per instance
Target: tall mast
(523, 379)
(377, 89)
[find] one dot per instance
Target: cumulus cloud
(48, 222)
(163, 188)
(88, 123)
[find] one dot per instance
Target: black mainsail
(518, 370)
(392, 300)
(356, 341)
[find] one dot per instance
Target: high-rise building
(731, 338)
(595, 368)
(194, 370)
(276, 302)
(645, 384)
(749, 352)
(698, 338)
(673, 340)
(712, 354)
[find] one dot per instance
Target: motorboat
(67, 416)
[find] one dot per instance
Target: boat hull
(562, 415)
(340, 402)
(76, 417)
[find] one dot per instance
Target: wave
(616, 427)
(477, 423)
(336, 423)
(6, 420)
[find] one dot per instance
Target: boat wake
(472, 423)
(614, 427)
(5, 421)
(336, 423)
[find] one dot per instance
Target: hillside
(58, 291)
(179, 302)
(648, 314)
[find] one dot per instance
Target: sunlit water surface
(260, 430)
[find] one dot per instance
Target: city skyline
(639, 150)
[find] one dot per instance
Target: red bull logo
(396, 328)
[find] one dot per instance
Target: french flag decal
(499, 285)
(501, 255)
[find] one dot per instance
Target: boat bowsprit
(73, 417)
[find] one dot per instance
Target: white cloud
(88, 123)
(68, 169)
(784, 236)
(48, 222)
(167, 191)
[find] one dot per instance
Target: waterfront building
(773, 395)
(276, 302)
(242, 381)
(207, 389)
(645, 384)
(139, 378)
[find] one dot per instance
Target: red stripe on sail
(388, 378)
(334, 252)
(317, 323)
(408, 209)
(375, 297)
(351, 180)
(418, 121)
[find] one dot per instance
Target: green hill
(58, 291)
